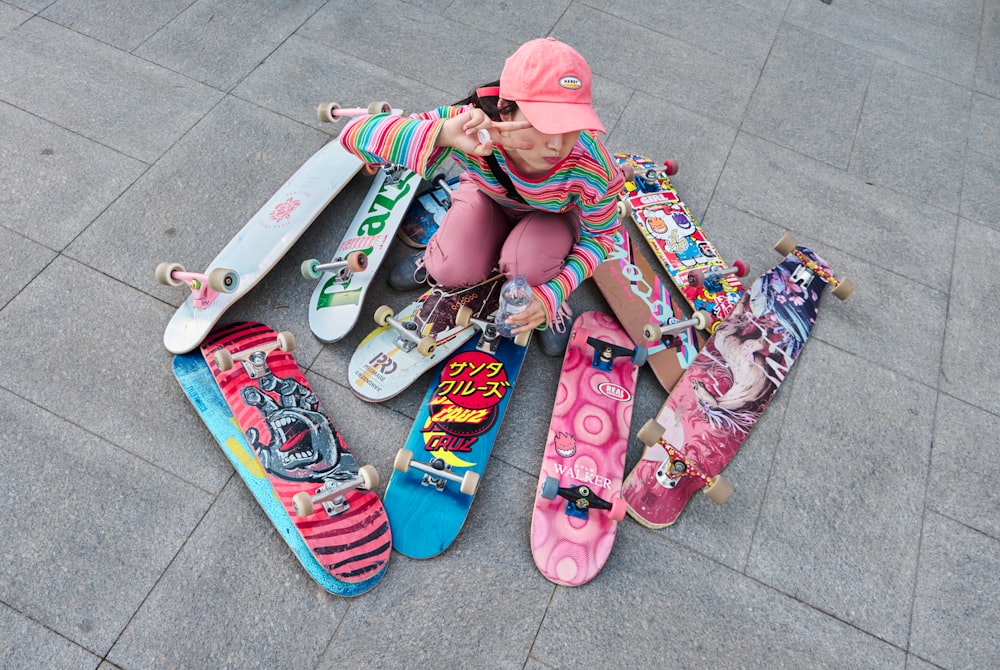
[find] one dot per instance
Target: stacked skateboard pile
(245, 385)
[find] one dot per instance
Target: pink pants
(478, 234)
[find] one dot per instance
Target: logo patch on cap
(571, 82)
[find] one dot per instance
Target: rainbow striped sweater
(587, 182)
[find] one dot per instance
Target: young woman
(539, 192)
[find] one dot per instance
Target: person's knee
(463, 271)
(465, 249)
(537, 248)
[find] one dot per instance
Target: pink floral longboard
(728, 386)
(300, 451)
(578, 503)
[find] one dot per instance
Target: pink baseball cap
(550, 82)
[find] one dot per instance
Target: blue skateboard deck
(455, 428)
(195, 377)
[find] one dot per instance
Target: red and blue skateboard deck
(300, 451)
(195, 377)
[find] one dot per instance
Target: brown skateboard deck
(639, 299)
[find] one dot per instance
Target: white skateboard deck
(380, 369)
(265, 239)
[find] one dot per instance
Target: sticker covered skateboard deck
(677, 238)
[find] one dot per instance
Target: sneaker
(554, 339)
(409, 274)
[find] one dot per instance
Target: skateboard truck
(676, 466)
(205, 287)
(330, 112)
(393, 173)
(255, 360)
(407, 339)
(441, 182)
(842, 288)
(489, 338)
(712, 278)
(700, 319)
(580, 499)
(605, 353)
(436, 472)
(331, 495)
(343, 268)
(649, 181)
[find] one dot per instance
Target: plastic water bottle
(515, 296)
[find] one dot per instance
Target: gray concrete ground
(864, 532)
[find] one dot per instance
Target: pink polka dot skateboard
(712, 409)
(677, 239)
(578, 503)
(330, 500)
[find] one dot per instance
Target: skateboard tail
(363, 538)
(569, 558)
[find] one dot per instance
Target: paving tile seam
(968, 82)
(105, 440)
(81, 135)
(166, 568)
(924, 509)
(432, 86)
(875, 363)
(652, 27)
(964, 401)
(798, 598)
(538, 630)
(45, 626)
(929, 507)
(33, 278)
(778, 441)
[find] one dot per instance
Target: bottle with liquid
(515, 296)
